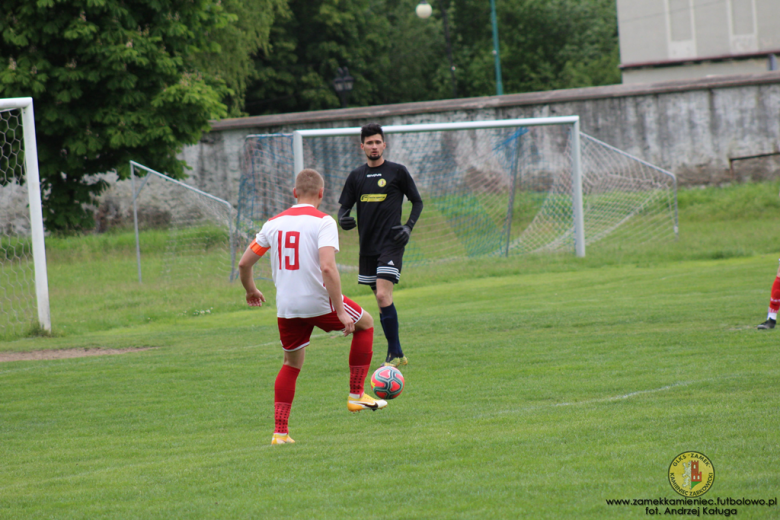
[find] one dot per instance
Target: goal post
(13, 173)
(491, 188)
(572, 122)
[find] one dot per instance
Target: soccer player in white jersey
(303, 243)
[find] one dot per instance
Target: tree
(112, 80)
(414, 66)
(396, 57)
(544, 44)
(239, 42)
(393, 56)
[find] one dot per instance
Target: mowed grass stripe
(515, 406)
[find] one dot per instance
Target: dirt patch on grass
(39, 355)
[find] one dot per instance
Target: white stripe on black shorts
(386, 266)
(391, 273)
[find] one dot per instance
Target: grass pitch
(538, 387)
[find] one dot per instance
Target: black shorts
(386, 266)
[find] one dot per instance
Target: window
(681, 29)
(742, 25)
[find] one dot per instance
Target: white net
(183, 233)
(500, 191)
(625, 200)
(17, 272)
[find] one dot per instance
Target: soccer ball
(387, 382)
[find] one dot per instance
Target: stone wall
(692, 128)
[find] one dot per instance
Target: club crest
(691, 474)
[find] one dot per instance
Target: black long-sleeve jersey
(379, 195)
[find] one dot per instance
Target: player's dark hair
(369, 130)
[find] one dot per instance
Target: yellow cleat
(282, 438)
(365, 402)
(396, 362)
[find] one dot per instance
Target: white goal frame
(576, 155)
(33, 181)
(149, 173)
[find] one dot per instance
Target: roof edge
(497, 102)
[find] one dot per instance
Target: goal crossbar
(443, 127)
(576, 160)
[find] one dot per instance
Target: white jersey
(295, 237)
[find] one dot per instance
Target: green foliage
(112, 80)
(413, 65)
(393, 56)
(396, 57)
(544, 44)
(231, 60)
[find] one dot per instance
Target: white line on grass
(651, 391)
(631, 394)
(604, 399)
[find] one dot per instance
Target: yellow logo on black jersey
(382, 183)
(373, 197)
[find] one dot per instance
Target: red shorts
(296, 332)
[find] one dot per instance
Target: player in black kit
(378, 188)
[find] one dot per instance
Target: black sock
(389, 319)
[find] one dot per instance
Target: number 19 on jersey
(288, 250)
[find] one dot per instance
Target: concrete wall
(662, 40)
(691, 127)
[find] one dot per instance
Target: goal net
(24, 297)
(181, 232)
(491, 188)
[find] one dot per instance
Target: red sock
(774, 301)
(284, 392)
(360, 359)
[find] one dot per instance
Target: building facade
(662, 40)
